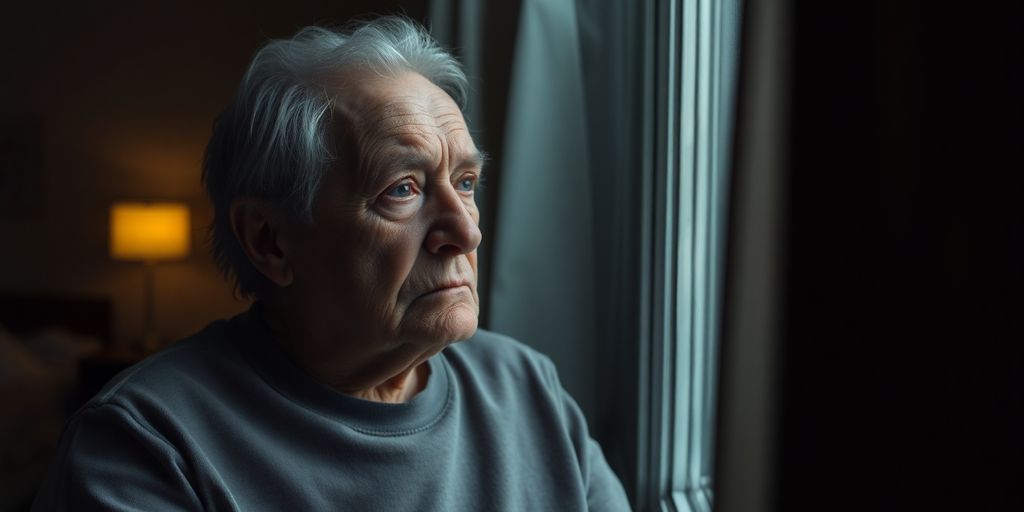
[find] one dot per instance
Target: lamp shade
(149, 231)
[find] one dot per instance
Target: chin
(456, 323)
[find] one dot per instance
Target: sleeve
(604, 490)
(107, 460)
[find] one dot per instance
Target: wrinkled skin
(385, 276)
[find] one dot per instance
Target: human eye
(402, 190)
(400, 199)
(466, 183)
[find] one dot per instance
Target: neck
(393, 376)
(398, 389)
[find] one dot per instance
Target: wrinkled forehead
(402, 117)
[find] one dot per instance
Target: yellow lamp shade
(149, 231)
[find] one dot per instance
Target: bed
(43, 341)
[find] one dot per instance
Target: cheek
(352, 262)
(389, 252)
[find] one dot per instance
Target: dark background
(902, 359)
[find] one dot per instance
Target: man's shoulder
(190, 362)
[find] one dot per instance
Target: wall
(119, 97)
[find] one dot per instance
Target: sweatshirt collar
(278, 370)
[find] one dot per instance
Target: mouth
(452, 287)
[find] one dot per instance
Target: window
(693, 75)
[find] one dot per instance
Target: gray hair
(274, 140)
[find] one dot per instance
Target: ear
(258, 228)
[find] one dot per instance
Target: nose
(453, 229)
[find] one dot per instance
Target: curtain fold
(542, 273)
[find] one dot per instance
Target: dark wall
(903, 368)
(114, 100)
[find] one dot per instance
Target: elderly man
(342, 179)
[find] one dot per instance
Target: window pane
(706, 45)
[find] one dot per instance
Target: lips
(447, 286)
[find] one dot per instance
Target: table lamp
(150, 233)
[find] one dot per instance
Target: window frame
(687, 133)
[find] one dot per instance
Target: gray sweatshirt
(224, 421)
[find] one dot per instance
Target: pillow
(30, 419)
(59, 350)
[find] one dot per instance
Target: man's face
(390, 258)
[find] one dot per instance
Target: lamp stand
(150, 338)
